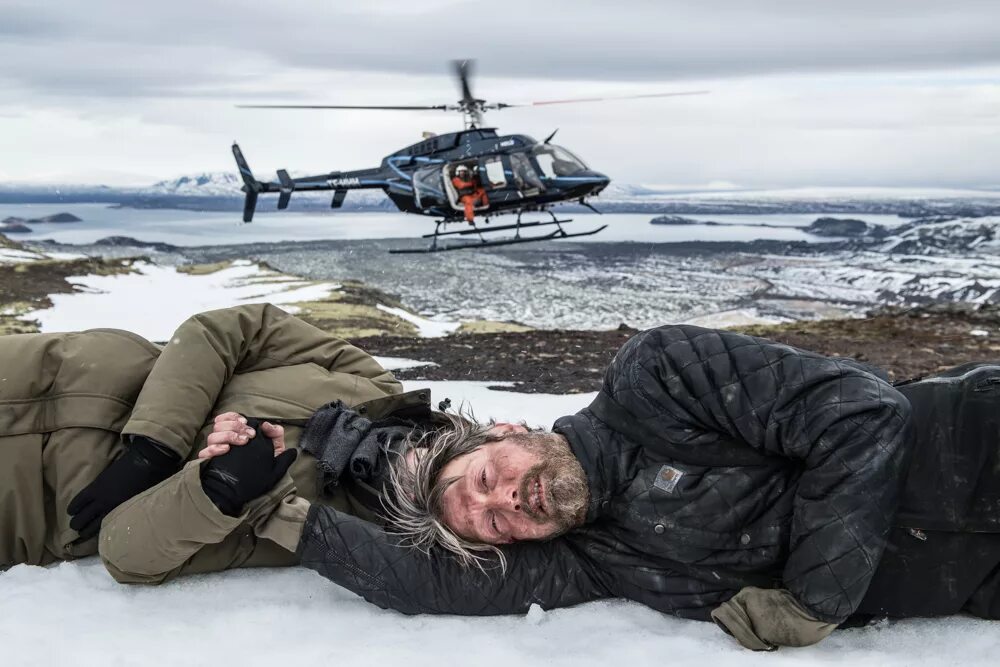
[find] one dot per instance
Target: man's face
(527, 486)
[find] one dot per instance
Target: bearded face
(525, 486)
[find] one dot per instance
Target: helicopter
(512, 174)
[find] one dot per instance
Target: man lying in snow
(716, 476)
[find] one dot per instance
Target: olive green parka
(70, 401)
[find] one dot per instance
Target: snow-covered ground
(75, 614)
(427, 327)
(146, 301)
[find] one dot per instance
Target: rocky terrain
(18, 225)
(905, 342)
(920, 297)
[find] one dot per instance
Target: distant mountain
(207, 184)
(221, 191)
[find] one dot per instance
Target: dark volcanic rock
(128, 241)
(906, 342)
(677, 220)
(845, 227)
(14, 227)
(58, 217)
(554, 361)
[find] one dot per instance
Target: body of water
(198, 228)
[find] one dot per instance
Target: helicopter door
(428, 190)
(492, 173)
(497, 178)
(525, 177)
(448, 172)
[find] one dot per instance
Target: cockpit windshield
(555, 161)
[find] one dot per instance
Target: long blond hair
(413, 506)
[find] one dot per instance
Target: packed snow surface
(427, 328)
(153, 300)
(75, 614)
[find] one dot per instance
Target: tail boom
(339, 182)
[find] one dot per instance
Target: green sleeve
(174, 529)
(209, 348)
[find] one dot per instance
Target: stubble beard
(566, 492)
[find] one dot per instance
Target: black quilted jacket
(715, 460)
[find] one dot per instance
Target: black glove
(244, 472)
(144, 464)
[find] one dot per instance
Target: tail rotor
(251, 186)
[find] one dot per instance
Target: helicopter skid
(500, 228)
(483, 242)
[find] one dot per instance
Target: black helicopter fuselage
(516, 172)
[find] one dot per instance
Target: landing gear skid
(483, 242)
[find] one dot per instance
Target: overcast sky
(874, 92)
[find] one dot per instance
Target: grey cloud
(115, 48)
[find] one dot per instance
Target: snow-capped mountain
(220, 190)
(227, 185)
(206, 184)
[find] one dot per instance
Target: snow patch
(14, 256)
(427, 328)
(399, 363)
(153, 301)
(508, 406)
(738, 317)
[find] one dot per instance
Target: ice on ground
(506, 406)
(14, 256)
(737, 317)
(155, 299)
(75, 614)
(427, 328)
(399, 363)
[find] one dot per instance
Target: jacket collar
(604, 455)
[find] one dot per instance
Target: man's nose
(505, 497)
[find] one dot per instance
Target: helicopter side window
(427, 186)
(525, 176)
(494, 172)
(555, 161)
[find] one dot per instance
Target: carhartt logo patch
(667, 478)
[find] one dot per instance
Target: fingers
(281, 465)
(90, 530)
(231, 417)
(271, 430)
(88, 521)
(229, 437)
(276, 434)
(80, 501)
(230, 425)
(213, 450)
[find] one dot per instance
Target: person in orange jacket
(470, 192)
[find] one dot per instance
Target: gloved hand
(246, 472)
(144, 464)
(762, 619)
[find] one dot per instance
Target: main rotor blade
(502, 105)
(463, 69)
(441, 107)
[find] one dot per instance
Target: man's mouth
(536, 500)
